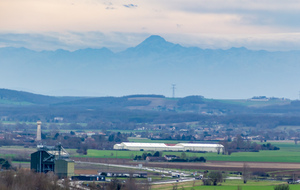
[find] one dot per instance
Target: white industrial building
(165, 147)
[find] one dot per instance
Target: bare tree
(28, 180)
(246, 172)
(175, 186)
(130, 184)
(226, 146)
(194, 182)
(218, 149)
(115, 184)
(66, 183)
(147, 185)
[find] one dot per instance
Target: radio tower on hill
(173, 88)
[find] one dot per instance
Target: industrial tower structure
(39, 132)
(52, 159)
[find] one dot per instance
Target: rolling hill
(23, 106)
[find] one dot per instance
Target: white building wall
(163, 147)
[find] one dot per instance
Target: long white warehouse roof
(144, 144)
(199, 145)
(127, 145)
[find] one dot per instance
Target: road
(158, 170)
(184, 177)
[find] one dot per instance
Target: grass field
(228, 185)
(7, 155)
(245, 102)
(9, 102)
(288, 127)
(288, 152)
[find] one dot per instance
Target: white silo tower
(38, 132)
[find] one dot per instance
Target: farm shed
(201, 147)
(141, 146)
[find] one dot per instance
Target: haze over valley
(150, 68)
(140, 95)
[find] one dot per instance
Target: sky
(271, 25)
(118, 24)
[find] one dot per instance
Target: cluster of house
(217, 132)
(30, 136)
(161, 159)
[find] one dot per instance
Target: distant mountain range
(150, 68)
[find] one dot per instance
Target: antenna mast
(173, 88)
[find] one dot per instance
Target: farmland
(283, 161)
(288, 152)
(228, 185)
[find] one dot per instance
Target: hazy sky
(118, 24)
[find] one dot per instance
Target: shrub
(261, 174)
(206, 182)
(282, 187)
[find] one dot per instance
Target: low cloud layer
(52, 24)
(118, 41)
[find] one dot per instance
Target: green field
(7, 155)
(9, 102)
(245, 102)
(231, 187)
(288, 152)
(288, 127)
(228, 185)
(263, 156)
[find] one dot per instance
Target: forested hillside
(147, 109)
